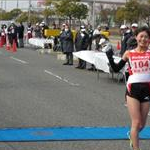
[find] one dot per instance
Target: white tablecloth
(87, 56)
(40, 42)
(99, 59)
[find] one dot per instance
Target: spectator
(3, 33)
(107, 32)
(105, 45)
(54, 25)
(97, 36)
(81, 43)
(61, 36)
(67, 44)
(21, 35)
(12, 33)
(29, 31)
(125, 34)
(37, 30)
(43, 28)
(131, 42)
(90, 33)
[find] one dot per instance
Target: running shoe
(131, 143)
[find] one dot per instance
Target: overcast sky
(24, 4)
(12, 4)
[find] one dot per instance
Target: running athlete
(138, 84)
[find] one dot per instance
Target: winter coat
(20, 32)
(37, 31)
(81, 41)
(66, 38)
(131, 43)
(124, 39)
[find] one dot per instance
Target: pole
(93, 14)
(29, 17)
(5, 5)
(1, 4)
(1, 9)
(17, 4)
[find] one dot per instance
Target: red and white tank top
(140, 66)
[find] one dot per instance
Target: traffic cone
(118, 46)
(14, 46)
(2, 40)
(7, 46)
(1, 44)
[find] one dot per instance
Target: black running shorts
(140, 91)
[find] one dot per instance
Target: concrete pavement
(38, 91)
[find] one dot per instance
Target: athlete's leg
(144, 113)
(135, 115)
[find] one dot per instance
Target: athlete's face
(143, 39)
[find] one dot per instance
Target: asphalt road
(36, 90)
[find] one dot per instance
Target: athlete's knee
(137, 125)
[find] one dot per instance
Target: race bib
(140, 64)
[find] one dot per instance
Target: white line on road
(22, 61)
(61, 78)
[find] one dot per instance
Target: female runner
(138, 84)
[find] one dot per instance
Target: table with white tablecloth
(101, 61)
(86, 55)
(98, 59)
(40, 42)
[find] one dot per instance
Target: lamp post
(17, 4)
(93, 14)
(5, 5)
(1, 10)
(29, 16)
(1, 4)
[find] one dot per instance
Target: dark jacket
(124, 39)
(37, 31)
(81, 41)
(66, 38)
(131, 43)
(12, 31)
(20, 31)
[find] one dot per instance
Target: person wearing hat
(97, 36)
(134, 25)
(12, 33)
(131, 42)
(43, 28)
(81, 43)
(29, 31)
(67, 44)
(105, 45)
(125, 34)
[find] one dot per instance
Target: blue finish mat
(67, 134)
